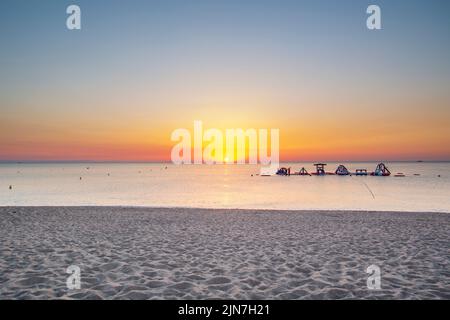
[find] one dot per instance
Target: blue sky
(172, 61)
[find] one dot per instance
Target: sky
(137, 70)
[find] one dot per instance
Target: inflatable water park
(381, 170)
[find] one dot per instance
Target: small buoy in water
(439, 175)
(10, 187)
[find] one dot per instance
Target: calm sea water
(227, 186)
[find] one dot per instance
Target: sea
(425, 186)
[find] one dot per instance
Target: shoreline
(182, 253)
(242, 210)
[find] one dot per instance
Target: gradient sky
(137, 70)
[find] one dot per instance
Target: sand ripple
(133, 253)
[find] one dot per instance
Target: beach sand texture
(153, 253)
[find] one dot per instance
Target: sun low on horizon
(116, 89)
(224, 156)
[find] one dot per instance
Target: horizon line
(168, 161)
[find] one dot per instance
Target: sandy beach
(152, 253)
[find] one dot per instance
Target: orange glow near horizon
(310, 142)
(116, 91)
(311, 128)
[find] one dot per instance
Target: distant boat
(268, 171)
(265, 175)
